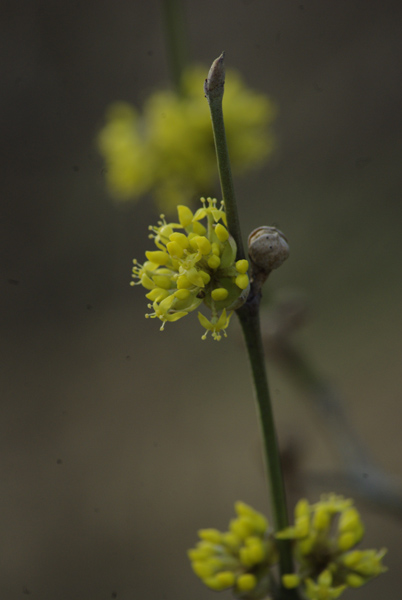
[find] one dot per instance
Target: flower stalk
(249, 318)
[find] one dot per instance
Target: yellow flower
(168, 149)
(239, 558)
(194, 264)
(325, 535)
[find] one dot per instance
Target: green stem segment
(214, 88)
(176, 39)
(250, 322)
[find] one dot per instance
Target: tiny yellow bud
(219, 294)
(195, 277)
(256, 549)
(182, 294)
(290, 581)
(350, 520)
(221, 232)
(162, 281)
(157, 294)
(215, 249)
(180, 238)
(166, 303)
(302, 508)
(204, 245)
(157, 256)
(325, 578)
(202, 568)
(185, 215)
(175, 249)
(183, 282)
(246, 582)
(214, 261)
(354, 580)
(226, 578)
(242, 281)
(198, 228)
(347, 540)
(147, 283)
(351, 559)
(165, 231)
(206, 277)
(221, 581)
(242, 266)
(210, 535)
(321, 519)
(231, 540)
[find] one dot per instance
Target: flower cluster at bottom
(194, 263)
(239, 558)
(324, 538)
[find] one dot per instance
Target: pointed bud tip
(214, 83)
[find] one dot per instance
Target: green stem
(176, 39)
(214, 88)
(250, 322)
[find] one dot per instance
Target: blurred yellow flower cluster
(194, 263)
(325, 535)
(324, 538)
(168, 148)
(239, 558)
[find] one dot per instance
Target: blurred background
(118, 441)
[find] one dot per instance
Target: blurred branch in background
(176, 39)
(361, 473)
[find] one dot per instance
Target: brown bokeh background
(117, 441)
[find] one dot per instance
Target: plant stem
(176, 39)
(214, 88)
(250, 322)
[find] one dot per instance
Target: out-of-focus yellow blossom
(194, 263)
(325, 535)
(168, 149)
(240, 558)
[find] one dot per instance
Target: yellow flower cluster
(239, 558)
(325, 535)
(194, 263)
(168, 150)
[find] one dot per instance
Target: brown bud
(268, 248)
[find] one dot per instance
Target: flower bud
(268, 248)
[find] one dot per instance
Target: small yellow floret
(210, 535)
(221, 581)
(162, 281)
(180, 238)
(185, 215)
(354, 580)
(214, 261)
(219, 294)
(242, 266)
(291, 581)
(242, 281)
(199, 228)
(246, 582)
(147, 283)
(175, 249)
(157, 256)
(183, 282)
(182, 294)
(221, 232)
(204, 245)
